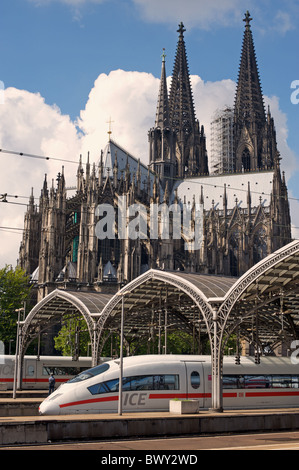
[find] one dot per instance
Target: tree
(14, 290)
(73, 338)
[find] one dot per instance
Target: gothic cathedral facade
(244, 214)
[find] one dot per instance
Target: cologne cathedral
(244, 212)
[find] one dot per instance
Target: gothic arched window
(246, 159)
(259, 245)
(234, 253)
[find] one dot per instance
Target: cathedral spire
(191, 155)
(161, 137)
(249, 112)
(162, 115)
(180, 99)
(249, 102)
(31, 202)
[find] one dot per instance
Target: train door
(30, 373)
(195, 381)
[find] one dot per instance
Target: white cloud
(294, 209)
(192, 12)
(283, 22)
(209, 96)
(129, 99)
(288, 163)
(268, 16)
(29, 125)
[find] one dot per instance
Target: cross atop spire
(247, 19)
(181, 29)
(110, 128)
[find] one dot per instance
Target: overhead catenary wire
(71, 210)
(40, 157)
(201, 183)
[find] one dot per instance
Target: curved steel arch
(168, 278)
(50, 310)
(174, 280)
(253, 275)
(233, 296)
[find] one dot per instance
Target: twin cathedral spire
(177, 143)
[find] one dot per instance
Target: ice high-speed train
(149, 382)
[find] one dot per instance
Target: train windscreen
(87, 374)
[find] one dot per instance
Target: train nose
(50, 406)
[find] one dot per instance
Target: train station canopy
(262, 305)
(161, 299)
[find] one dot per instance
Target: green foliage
(14, 290)
(70, 343)
(178, 342)
(231, 346)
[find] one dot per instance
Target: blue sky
(59, 47)
(67, 66)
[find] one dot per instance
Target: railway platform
(26, 402)
(42, 429)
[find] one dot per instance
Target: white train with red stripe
(37, 370)
(149, 382)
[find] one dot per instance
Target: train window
(48, 370)
(142, 382)
(295, 381)
(104, 387)
(30, 371)
(152, 382)
(232, 381)
(171, 382)
(260, 381)
(246, 381)
(257, 381)
(281, 381)
(110, 386)
(195, 379)
(87, 374)
(138, 382)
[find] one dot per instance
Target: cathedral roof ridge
(122, 149)
(236, 187)
(214, 175)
